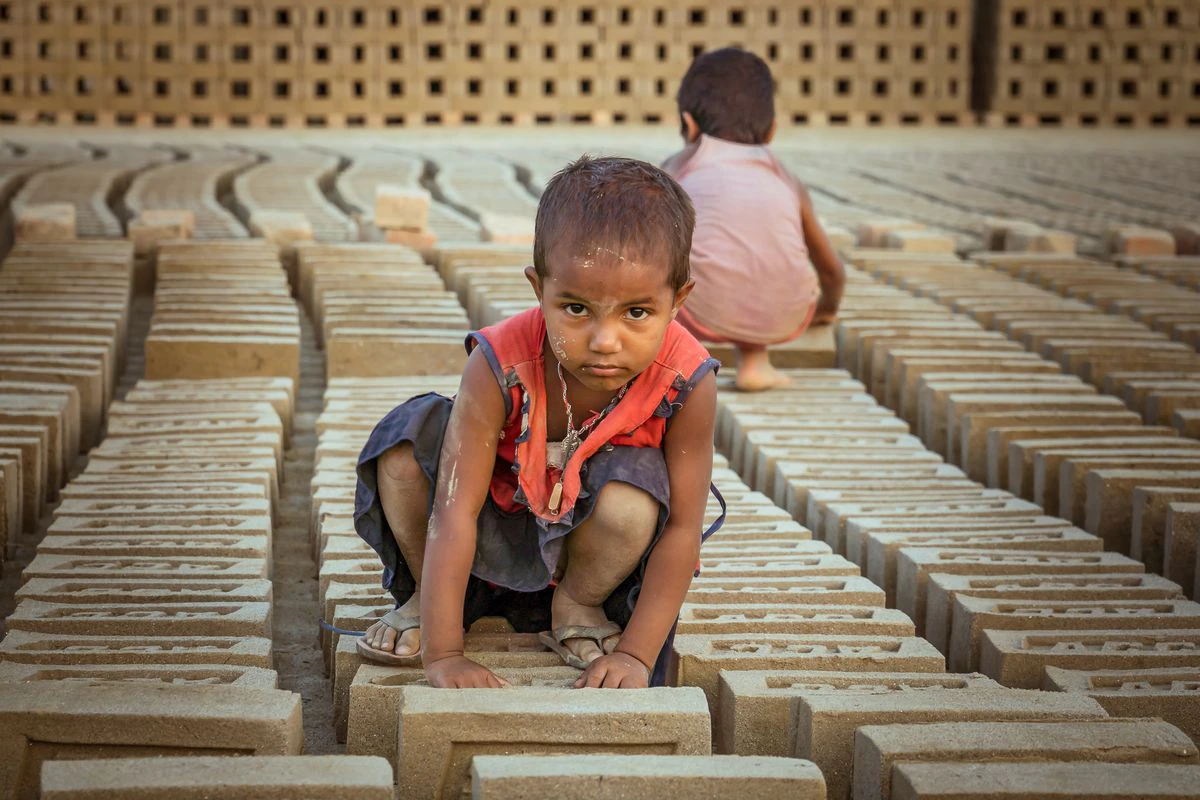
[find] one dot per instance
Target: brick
(1017, 658)
(836, 518)
(376, 692)
(162, 545)
(502, 651)
(198, 777)
(142, 618)
(440, 729)
(846, 591)
(1046, 533)
(173, 674)
(1108, 494)
(877, 748)
(1035, 471)
(26, 647)
(506, 228)
(1039, 240)
(61, 721)
(941, 590)
(614, 777)
(413, 239)
(972, 615)
(914, 564)
(757, 709)
(781, 567)
(45, 222)
(1166, 693)
(1000, 781)
(1149, 540)
(81, 567)
(873, 233)
(203, 525)
(1139, 241)
(1182, 552)
(1005, 444)
(1075, 473)
(769, 619)
(826, 723)
(401, 207)
(918, 242)
(969, 445)
(696, 660)
(30, 451)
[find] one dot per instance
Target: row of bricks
(204, 324)
(135, 523)
(978, 617)
(1097, 343)
(62, 345)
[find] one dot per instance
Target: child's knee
(626, 511)
(400, 465)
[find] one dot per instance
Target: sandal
(399, 621)
(597, 633)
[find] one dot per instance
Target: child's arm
(824, 260)
(464, 475)
(688, 448)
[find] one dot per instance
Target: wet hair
(730, 94)
(621, 207)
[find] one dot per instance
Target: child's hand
(460, 672)
(615, 671)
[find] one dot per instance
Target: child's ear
(535, 281)
(680, 296)
(771, 131)
(691, 131)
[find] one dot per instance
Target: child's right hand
(460, 672)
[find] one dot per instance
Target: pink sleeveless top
(754, 280)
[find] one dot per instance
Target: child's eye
(575, 309)
(639, 313)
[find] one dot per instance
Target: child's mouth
(603, 370)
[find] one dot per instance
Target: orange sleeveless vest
(522, 478)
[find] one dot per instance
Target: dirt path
(294, 570)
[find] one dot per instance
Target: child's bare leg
(404, 495)
(754, 370)
(600, 554)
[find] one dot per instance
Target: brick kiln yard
(965, 535)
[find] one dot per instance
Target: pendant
(556, 497)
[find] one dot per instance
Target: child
(565, 486)
(759, 252)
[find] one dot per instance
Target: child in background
(565, 486)
(763, 267)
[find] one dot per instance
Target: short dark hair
(622, 205)
(730, 94)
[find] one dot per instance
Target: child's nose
(605, 339)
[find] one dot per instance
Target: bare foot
(755, 373)
(565, 611)
(383, 637)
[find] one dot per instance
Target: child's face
(606, 315)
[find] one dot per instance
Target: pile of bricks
(1085, 62)
(145, 618)
(193, 184)
(86, 185)
(281, 199)
(380, 311)
(1085, 461)
(222, 309)
(64, 311)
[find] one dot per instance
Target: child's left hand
(615, 671)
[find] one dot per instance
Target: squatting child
(565, 486)
(763, 267)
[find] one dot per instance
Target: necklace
(574, 437)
